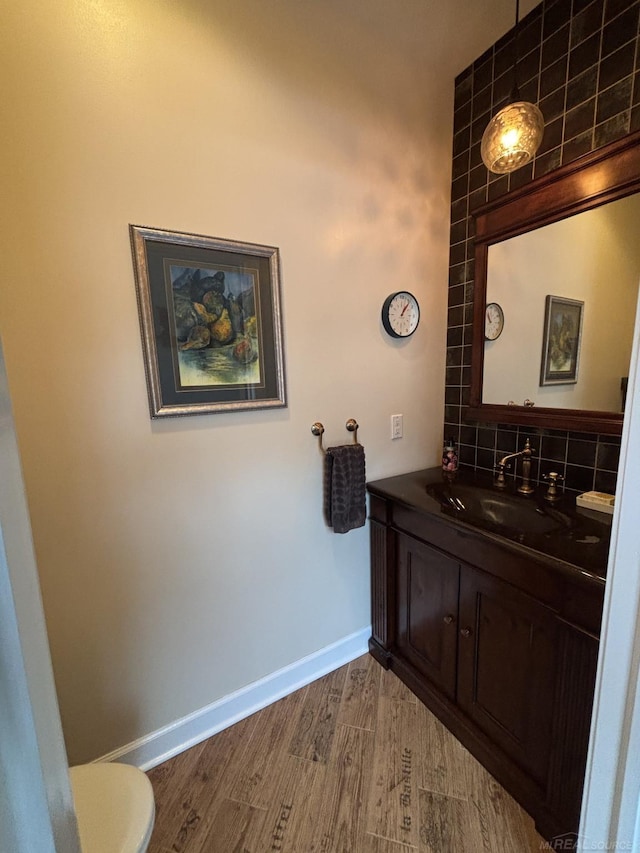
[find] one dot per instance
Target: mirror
(570, 235)
(592, 258)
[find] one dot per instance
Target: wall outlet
(396, 426)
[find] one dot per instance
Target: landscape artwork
(211, 322)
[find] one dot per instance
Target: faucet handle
(553, 478)
(500, 468)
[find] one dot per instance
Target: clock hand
(406, 305)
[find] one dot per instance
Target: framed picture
(210, 321)
(561, 341)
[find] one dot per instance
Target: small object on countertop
(345, 487)
(598, 501)
(450, 457)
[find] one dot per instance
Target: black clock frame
(385, 314)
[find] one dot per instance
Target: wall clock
(493, 321)
(400, 314)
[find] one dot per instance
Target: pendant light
(514, 134)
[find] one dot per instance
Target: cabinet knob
(448, 619)
(465, 632)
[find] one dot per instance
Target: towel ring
(351, 425)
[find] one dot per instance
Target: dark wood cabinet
(427, 612)
(507, 668)
(498, 645)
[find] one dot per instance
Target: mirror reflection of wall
(594, 257)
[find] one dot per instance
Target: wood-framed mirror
(534, 253)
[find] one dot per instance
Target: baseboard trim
(158, 746)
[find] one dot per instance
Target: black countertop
(578, 543)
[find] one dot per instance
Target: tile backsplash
(579, 61)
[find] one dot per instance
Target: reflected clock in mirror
(493, 321)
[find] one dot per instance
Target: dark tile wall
(579, 61)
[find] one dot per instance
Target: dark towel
(344, 487)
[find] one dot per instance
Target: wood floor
(352, 763)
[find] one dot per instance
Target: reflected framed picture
(210, 321)
(561, 341)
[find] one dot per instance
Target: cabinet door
(578, 654)
(507, 659)
(427, 597)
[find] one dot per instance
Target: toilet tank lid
(114, 807)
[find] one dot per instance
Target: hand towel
(344, 487)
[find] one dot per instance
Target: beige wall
(183, 559)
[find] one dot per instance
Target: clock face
(493, 321)
(400, 314)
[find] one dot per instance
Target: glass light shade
(512, 137)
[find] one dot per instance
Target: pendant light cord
(515, 92)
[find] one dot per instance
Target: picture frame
(561, 341)
(210, 322)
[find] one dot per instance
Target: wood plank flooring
(352, 763)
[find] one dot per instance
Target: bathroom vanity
(488, 604)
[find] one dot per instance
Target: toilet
(114, 807)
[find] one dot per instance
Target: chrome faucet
(525, 488)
